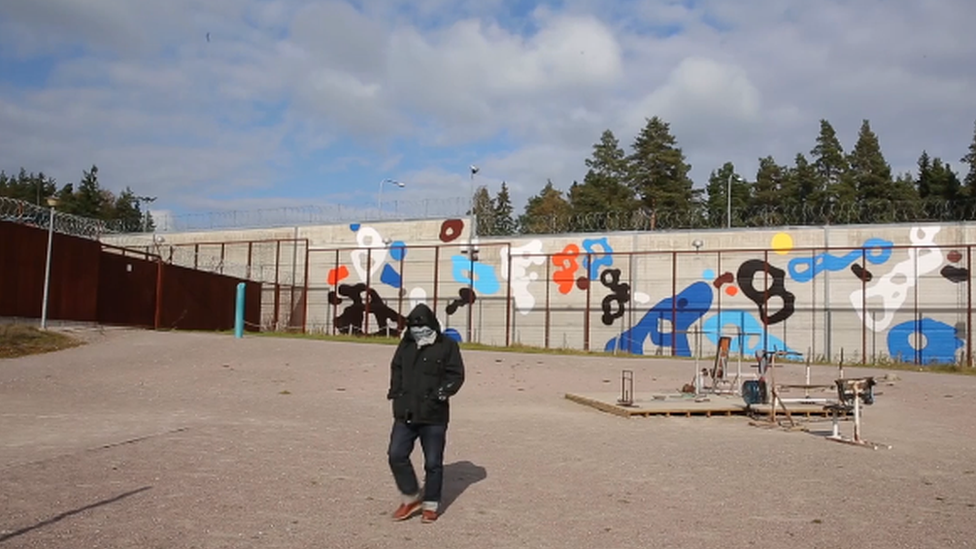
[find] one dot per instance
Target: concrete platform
(675, 404)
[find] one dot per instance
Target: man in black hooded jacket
(425, 372)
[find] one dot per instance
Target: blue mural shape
(708, 274)
(453, 334)
(485, 280)
(747, 324)
(390, 277)
(692, 304)
(398, 250)
(354, 227)
(941, 342)
(805, 269)
(600, 259)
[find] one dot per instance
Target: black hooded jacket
(423, 379)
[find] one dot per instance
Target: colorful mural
(774, 301)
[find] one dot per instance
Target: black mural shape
(861, 272)
(466, 296)
(777, 288)
(614, 304)
(955, 274)
(353, 317)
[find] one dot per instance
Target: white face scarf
(423, 335)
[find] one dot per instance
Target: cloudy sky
(244, 104)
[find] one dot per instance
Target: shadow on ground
(458, 476)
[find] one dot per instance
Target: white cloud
(160, 108)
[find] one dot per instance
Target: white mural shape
(893, 288)
(417, 296)
(368, 237)
(641, 298)
(522, 257)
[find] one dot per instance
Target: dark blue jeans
(433, 439)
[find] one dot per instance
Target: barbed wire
(863, 212)
(19, 211)
(434, 208)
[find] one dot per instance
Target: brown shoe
(406, 510)
(428, 516)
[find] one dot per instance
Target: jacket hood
(422, 315)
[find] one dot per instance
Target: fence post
(864, 304)
(969, 306)
(335, 289)
(586, 318)
(548, 316)
(765, 307)
(508, 298)
(366, 299)
(674, 303)
(239, 311)
(304, 292)
(158, 317)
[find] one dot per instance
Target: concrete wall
(879, 291)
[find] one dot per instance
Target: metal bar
(277, 292)
(366, 300)
(196, 255)
(508, 300)
(548, 299)
(400, 292)
(765, 319)
(864, 312)
(674, 303)
(304, 292)
(222, 244)
(918, 319)
(586, 317)
(335, 306)
(437, 259)
(969, 306)
(250, 246)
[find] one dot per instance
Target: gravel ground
(158, 440)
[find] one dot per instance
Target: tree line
(87, 199)
(649, 187)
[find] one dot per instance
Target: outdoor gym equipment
(851, 394)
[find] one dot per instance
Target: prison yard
(178, 439)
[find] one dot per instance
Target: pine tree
(924, 181)
(804, 197)
(546, 212)
(604, 193)
(870, 172)
(716, 203)
(767, 193)
(659, 174)
(969, 182)
(484, 211)
(832, 169)
(504, 224)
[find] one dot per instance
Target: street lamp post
(379, 195)
(52, 202)
(472, 226)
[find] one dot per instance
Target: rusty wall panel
(198, 300)
(73, 293)
(126, 290)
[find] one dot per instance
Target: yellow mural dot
(782, 243)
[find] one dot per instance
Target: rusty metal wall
(73, 293)
(126, 290)
(198, 300)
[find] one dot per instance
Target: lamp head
(53, 201)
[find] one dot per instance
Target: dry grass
(18, 340)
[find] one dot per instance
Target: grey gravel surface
(157, 440)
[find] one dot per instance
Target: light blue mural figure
(750, 334)
(692, 304)
(601, 259)
(453, 334)
(805, 269)
(941, 342)
(485, 281)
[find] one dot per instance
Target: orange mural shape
(337, 275)
(565, 277)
